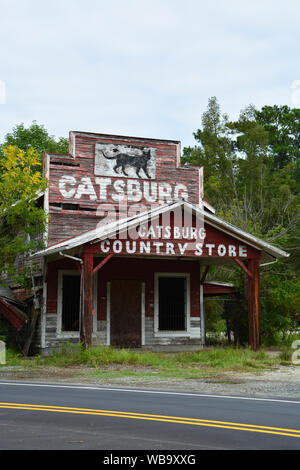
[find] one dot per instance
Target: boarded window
(70, 303)
(172, 304)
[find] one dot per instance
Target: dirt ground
(282, 382)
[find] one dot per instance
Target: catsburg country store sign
(170, 240)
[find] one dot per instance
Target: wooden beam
(102, 263)
(239, 262)
(254, 306)
(202, 307)
(204, 275)
(202, 317)
(86, 333)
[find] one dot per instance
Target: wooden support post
(202, 308)
(86, 334)
(254, 305)
(204, 275)
(202, 317)
(252, 271)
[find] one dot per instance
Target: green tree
(251, 168)
(37, 137)
(283, 126)
(215, 152)
(22, 220)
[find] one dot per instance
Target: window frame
(172, 333)
(72, 272)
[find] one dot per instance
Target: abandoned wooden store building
(130, 241)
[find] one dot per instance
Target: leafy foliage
(22, 220)
(252, 178)
(36, 137)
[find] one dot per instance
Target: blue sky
(143, 68)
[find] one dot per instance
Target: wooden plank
(202, 317)
(34, 316)
(204, 274)
(254, 306)
(86, 333)
(239, 262)
(125, 313)
(102, 263)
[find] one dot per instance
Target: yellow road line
(152, 417)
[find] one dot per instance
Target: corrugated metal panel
(13, 314)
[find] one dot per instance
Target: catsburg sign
(99, 189)
(122, 173)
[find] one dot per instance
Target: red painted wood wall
(65, 222)
(124, 268)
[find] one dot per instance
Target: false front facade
(129, 244)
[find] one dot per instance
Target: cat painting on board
(123, 160)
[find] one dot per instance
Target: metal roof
(106, 231)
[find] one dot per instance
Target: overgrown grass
(13, 358)
(216, 357)
(110, 362)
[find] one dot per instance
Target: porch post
(86, 334)
(202, 308)
(254, 305)
(202, 317)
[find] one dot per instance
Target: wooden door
(125, 313)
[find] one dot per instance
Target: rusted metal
(13, 315)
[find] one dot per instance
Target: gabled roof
(107, 231)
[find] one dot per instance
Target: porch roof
(106, 231)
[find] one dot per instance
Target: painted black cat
(139, 162)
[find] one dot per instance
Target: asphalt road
(40, 416)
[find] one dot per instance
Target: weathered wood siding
(73, 210)
(125, 269)
(216, 244)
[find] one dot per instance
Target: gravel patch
(282, 382)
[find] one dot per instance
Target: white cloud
(143, 67)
